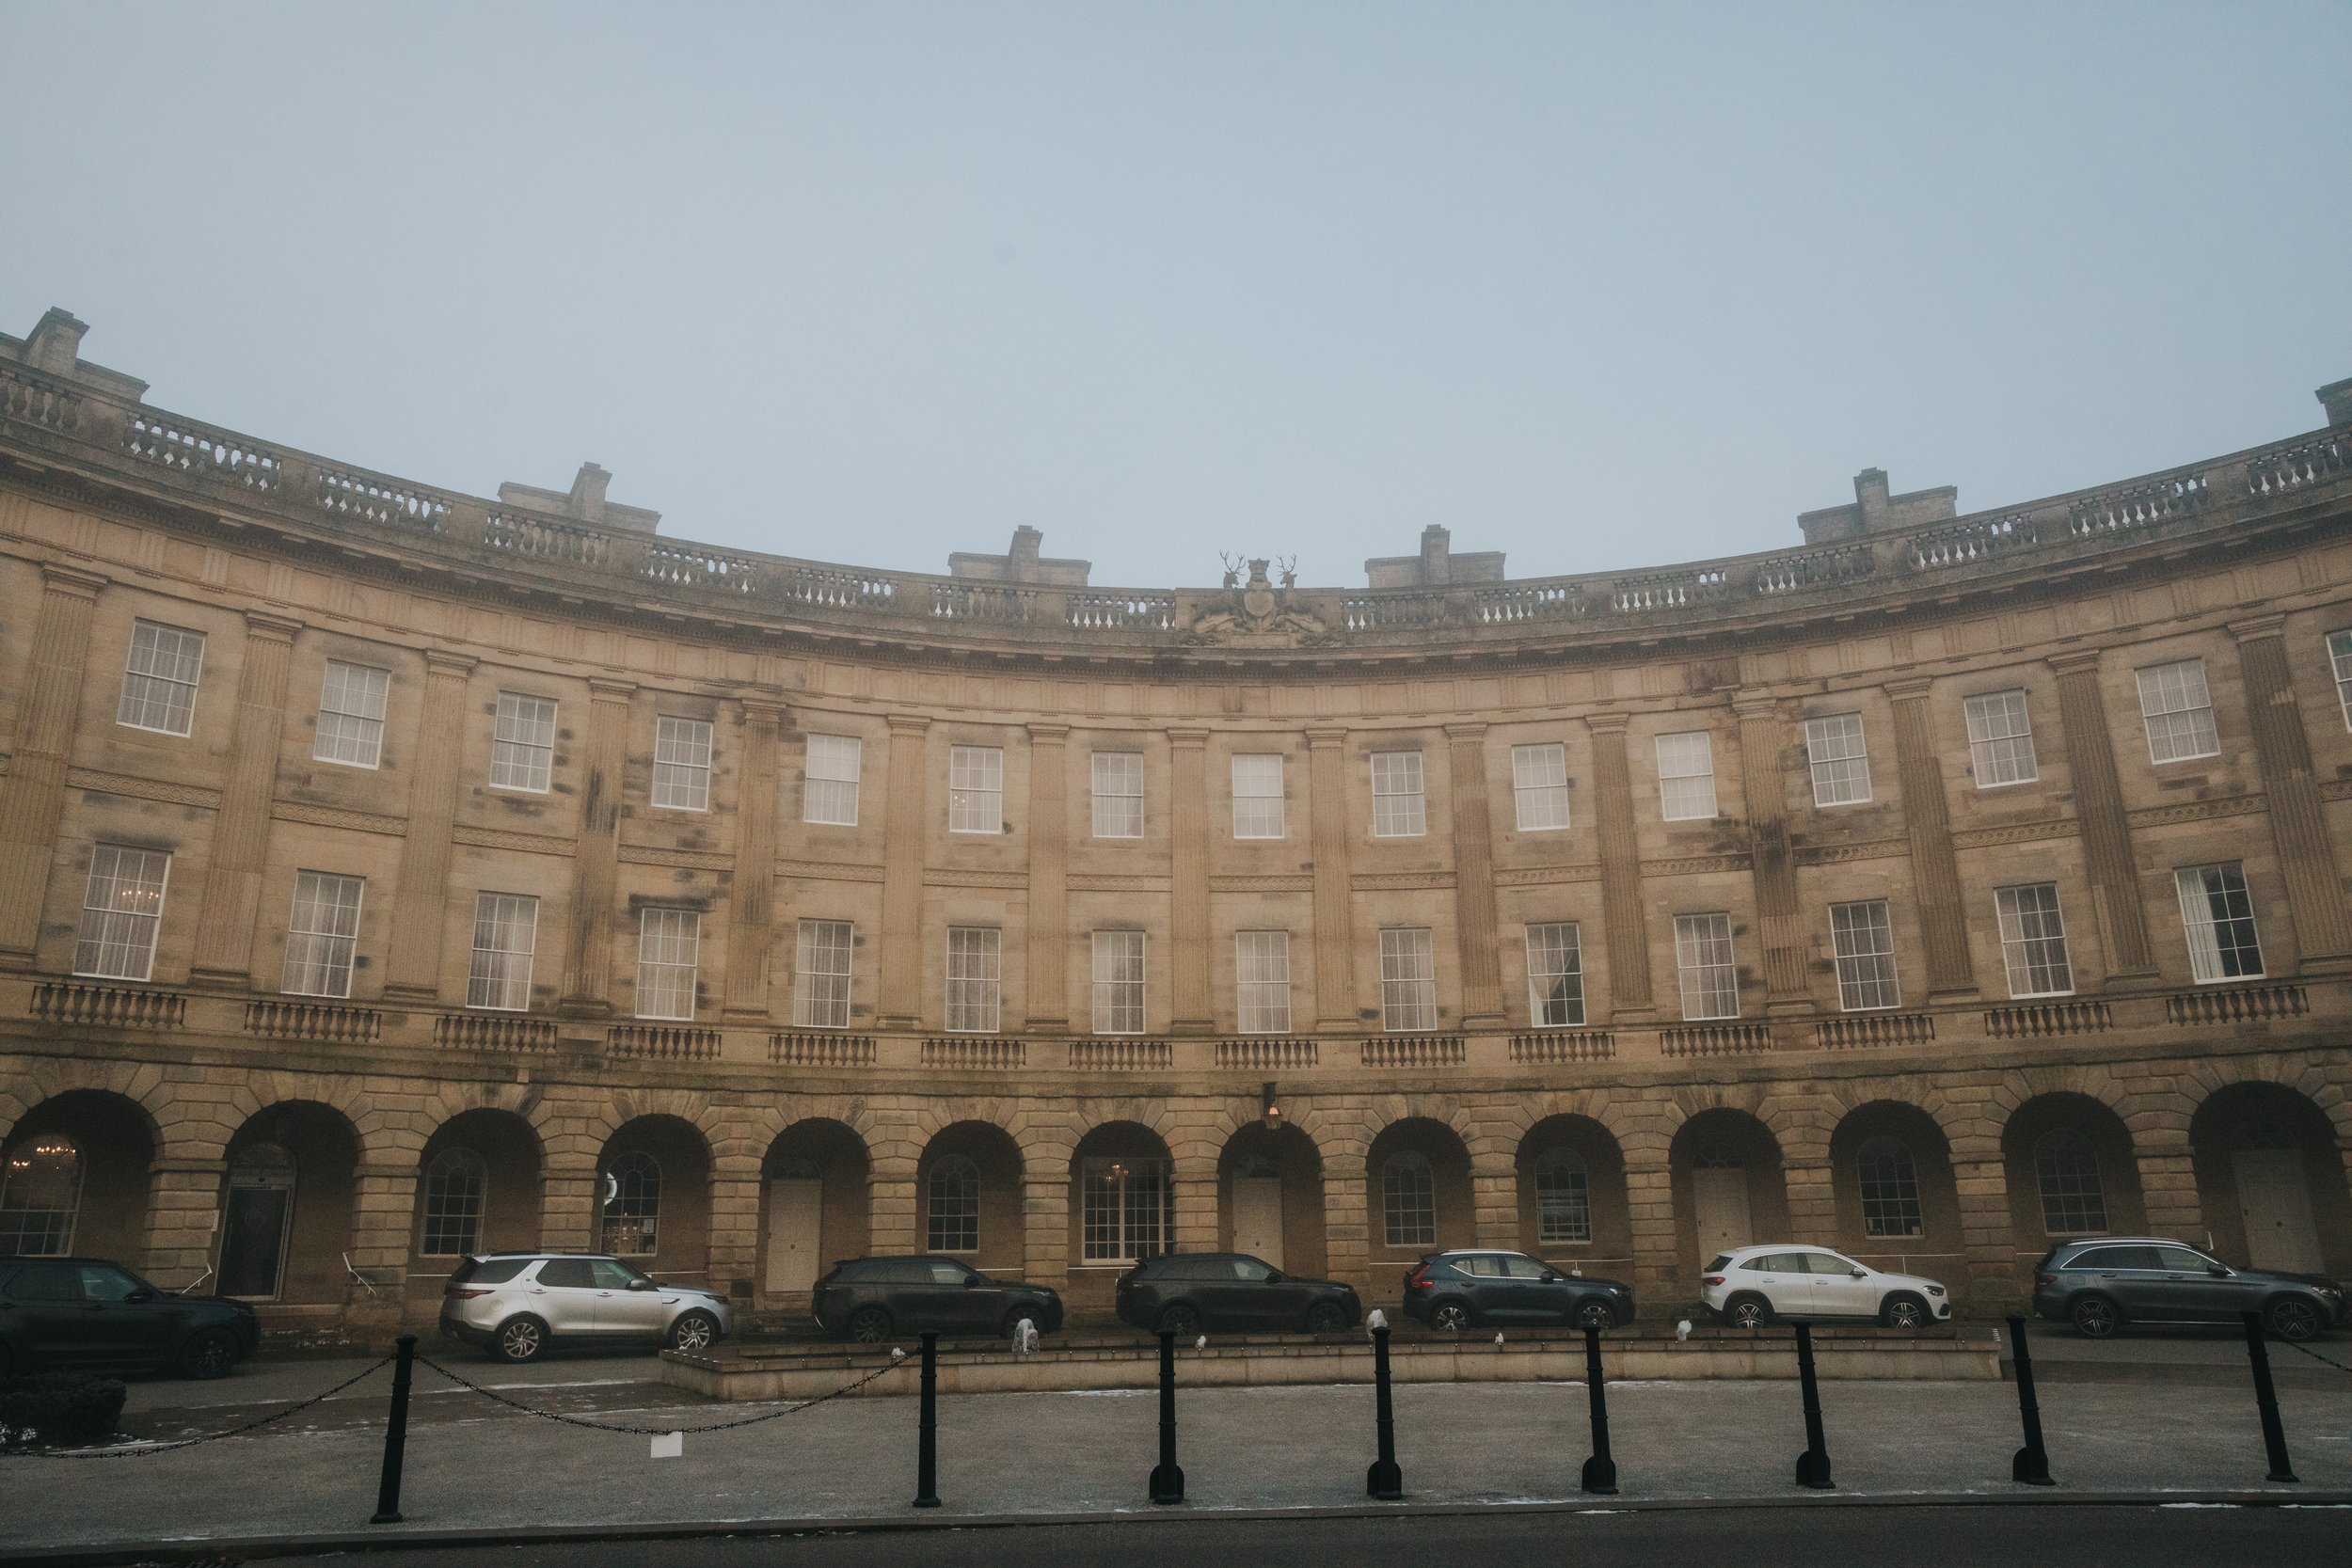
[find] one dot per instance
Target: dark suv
(84, 1313)
(1462, 1289)
(2099, 1285)
(868, 1299)
(1231, 1293)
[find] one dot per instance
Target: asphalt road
(1817, 1535)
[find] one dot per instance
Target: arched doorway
(1728, 1185)
(814, 1180)
(478, 1190)
(1891, 1174)
(968, 1199)
(73, 1179)
(1270, 1198)
(1572, 1203)
(286, 1205)
(1417, 1185)
(1123, 1207)
(2271, 1180)
(653, 1198)
(2071, 1172)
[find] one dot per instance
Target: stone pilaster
(413, 965)
(2099, 807)
(1346, 1253)
(1622, 910)
(890, 1192)
(734, 1189)
(384, 1207)
(1988, 1231)
(1658, 1277)
(1773, 861)
(32, 797)
(1048, 932)
(182, 1216)
(1192, 1011)
(233, 882)
(1812, 1198)
(595, 859)
(752, 887)
(571, 1215)
(1195, 1184)
(2168, 1186)
(1934, 869)
(901, 1005)
(1330, 832)
(1473, 877)
(1494, 1204)
(1046, 1227)
(2307, 855)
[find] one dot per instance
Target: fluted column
(903, 840)
(1622, 914)
(752, 887)
(1934, 869)
(595, 860)
(1048, 934)
(1329, 833)
(1475, 930)
(1772, 860)
(2099, 807)
(413, 966)
(33, 795)
(233, 882)
(1188, 881)
(2307, 855)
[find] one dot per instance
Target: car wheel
(694, 1331)
(521, 1340)
(869, 1325)
(2094, 1317)
(209, 1354)
(1178, 1318)
(1596, 1314)
(1748, 1311)
(1905, 1312)
(1327, 1317)
(1451, 1316)
(2292, 1318)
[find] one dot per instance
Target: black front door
(253, 1240)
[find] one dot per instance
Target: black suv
(2099, 1285)
(86, 1313)
(868, 1299)
(1462, 1289)
(1231, 1293)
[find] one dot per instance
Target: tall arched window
(41, 1190)
(1890, 1189)
(954, 1223)
(633, 1204)
(2066, 1168)
(455, 1185)
(1564, 1196)
(1408, 1201)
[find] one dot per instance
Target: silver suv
(513, 1304)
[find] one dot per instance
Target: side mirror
(1274, 1277)
(142, 1294)
(641, 1285)
(2218, 1271)
(973, 1281)
(1551, 1276)
(1859, 1274)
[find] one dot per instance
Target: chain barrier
(897, 1359)
(142, 1450)
(2312, 1354)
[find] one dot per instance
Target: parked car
(1748, 1286)
(1466, 1287)
(868, 1299)
(1231, 1293)
(516, 1304)
(87, 1314)
(2101, 1284)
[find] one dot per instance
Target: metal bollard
(1811, 1464)
(2266, 1400)
(395, 1433)
(1600, 1471)
(1383, 1481)
(927, 1430)
(2031, 1467)
(1167, 1481)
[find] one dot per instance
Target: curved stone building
(386, 872)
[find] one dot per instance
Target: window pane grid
(1702, 954)
(2178, 709)
(120, 910)
(2340, 656)
(1539, 783)
(821, 981)
(1408, 1201)
(159, 679)
(952, 1223)
(1257, 796)
(2066, 1168)
(632, 1212)
(1119, 982)
(1686, 776)
(1556, 976)
(681, 763)
(453, 1188)
(2000, 739)
(2220, 917)
(829, 794)
(1397, 805)
(976, 789)
(1841, 764)
(522, 753)
(350, 715)
(1890, 1190)
(1564, 1198)
(1118, 794)
(1128, 1207)
(1863, 939)
(2033, 940)
(506, 931)
(974, 979)
(669, 947)
(1408, 982)
(1262, 990)
(322, 934)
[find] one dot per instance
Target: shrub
(60, 1409)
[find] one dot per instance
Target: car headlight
(1935, 1290)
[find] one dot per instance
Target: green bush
(60, 1409)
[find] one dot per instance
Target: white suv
(511, 1304)
(1750, 1286)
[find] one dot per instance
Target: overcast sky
(1599, 286)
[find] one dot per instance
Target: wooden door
(2276, 1203)
(796, 1217)
(1258, 1217)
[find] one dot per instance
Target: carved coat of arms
(1257, 613)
